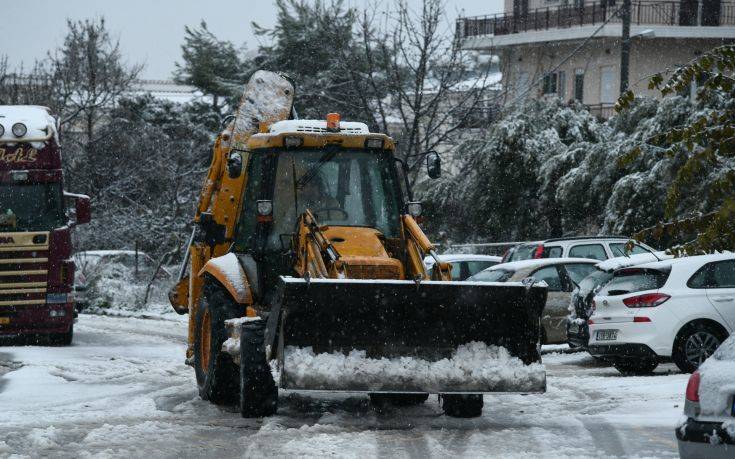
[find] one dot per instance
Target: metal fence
(668, 13)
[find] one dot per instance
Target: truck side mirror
(433, 165)
(83, 210)
(234, 165)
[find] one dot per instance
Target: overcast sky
(151, 31)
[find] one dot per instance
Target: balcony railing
(643, 12)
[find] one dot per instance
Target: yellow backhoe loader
(305, 272)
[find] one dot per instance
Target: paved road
(122, 390)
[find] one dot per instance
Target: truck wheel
(462, 406)
(258, 391)
(63, 339)
(381, 400)
(216, 373)
(636, 367)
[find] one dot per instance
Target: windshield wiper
(329, 152)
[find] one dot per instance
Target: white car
(708, 430)
(595, 247)
(464, 265)
(679, 309)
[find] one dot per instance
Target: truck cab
(36, 268)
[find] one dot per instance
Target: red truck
(36, 268)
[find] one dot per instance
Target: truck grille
(23, 269)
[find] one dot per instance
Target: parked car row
(634, 309)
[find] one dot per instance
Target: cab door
(721, 290)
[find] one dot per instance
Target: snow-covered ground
(122, 390)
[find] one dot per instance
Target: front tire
(216, 373)
(63, 339)
(462, 406)
(694, 344)
(258, 391)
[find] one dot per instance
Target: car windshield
(635, 280)
(352, 188)
(523, 252)
(33, 207)
(492, 275)
(618, 249)
(593, 281)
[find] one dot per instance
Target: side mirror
(83, 210)
(433, 165)
(234, 165)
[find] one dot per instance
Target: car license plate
(4, 320)
(607, 335)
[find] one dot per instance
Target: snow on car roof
(462, 257)
(624, 262)
(688, 262)
(536, 262)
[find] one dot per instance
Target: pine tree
(212, 65)
(708, 144)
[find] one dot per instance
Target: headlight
(265, 207)
(292, 141)
(19, 129)
(415, 209)
(374, 143)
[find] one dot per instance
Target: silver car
(709, 428)
(562, 275)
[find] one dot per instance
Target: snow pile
(473, 366)
(718, 380)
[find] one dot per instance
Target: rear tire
(258, 391)
(381, 400)
(694, 344)
(462, 406)
(636, 367)
(216, 373)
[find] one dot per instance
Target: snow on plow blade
(400, 336)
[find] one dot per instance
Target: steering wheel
(326, 213)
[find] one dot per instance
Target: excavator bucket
(404, 336)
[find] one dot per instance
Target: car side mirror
(433, 165)
(82, 208)
(234, 165)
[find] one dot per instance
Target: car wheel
(694, 344)
(636, 367)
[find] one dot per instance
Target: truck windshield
(351, 188)
(34, 207)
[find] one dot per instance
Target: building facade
(572, 50)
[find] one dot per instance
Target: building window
(579, 85)
(550, 82)
(554, 84)
(608, 91)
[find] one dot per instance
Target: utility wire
(563, 61)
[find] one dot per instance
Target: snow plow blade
(402, 336)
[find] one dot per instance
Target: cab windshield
(35, 207)
(341, 188)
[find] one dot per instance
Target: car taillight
(692, 393)
(539, 252)
(590, 322)
(647, 300)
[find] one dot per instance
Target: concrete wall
(599, 61)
